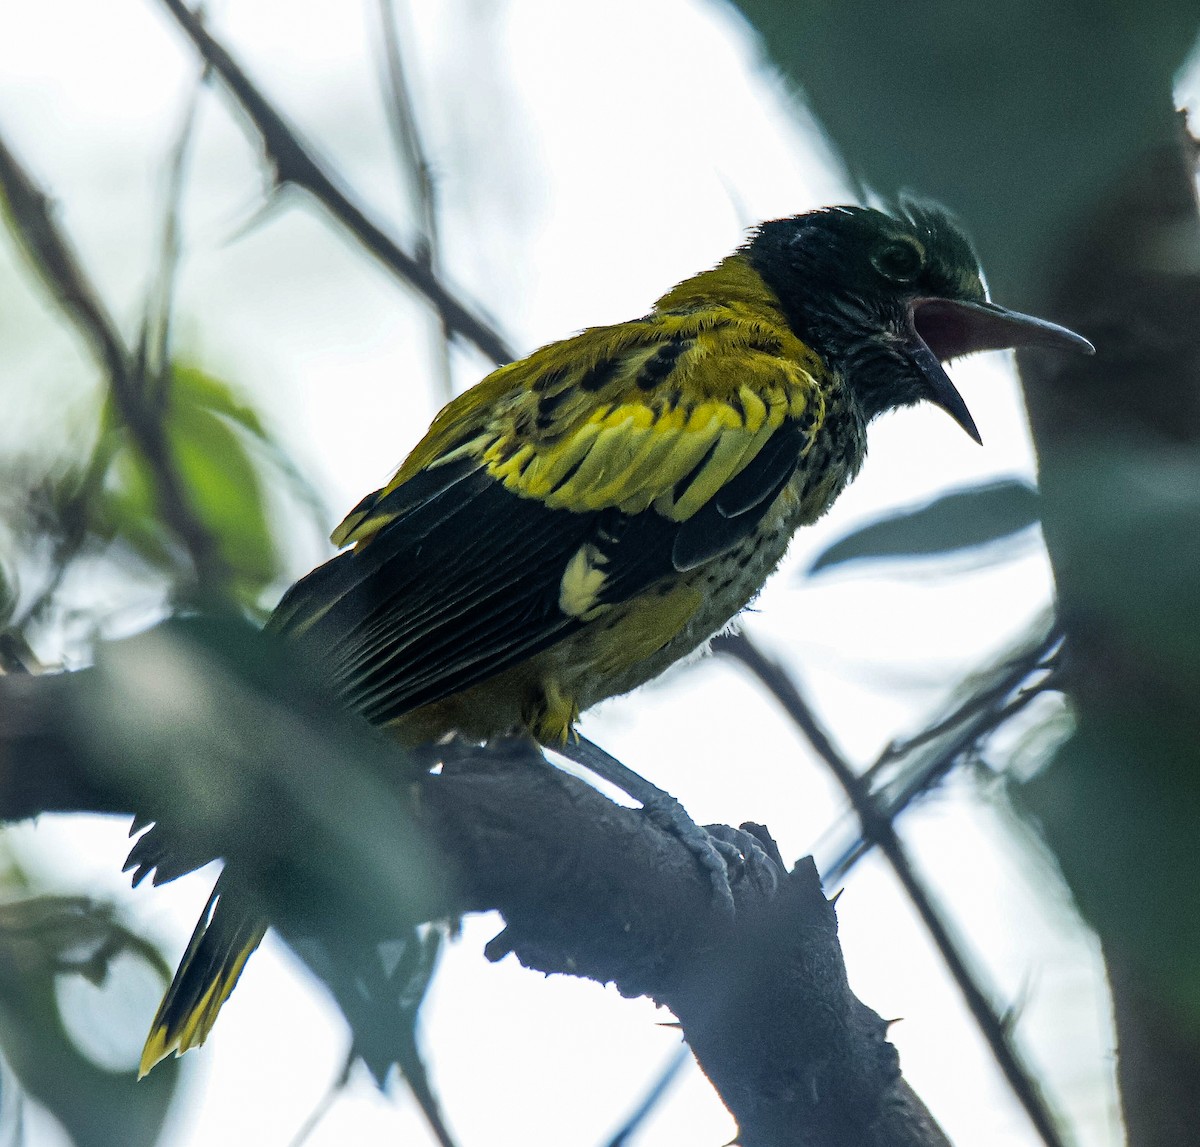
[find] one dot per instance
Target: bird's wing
(558, 488)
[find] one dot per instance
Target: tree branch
(418, 173)
(362, 845)
(878, 830)
(294, 162)
(50, 254)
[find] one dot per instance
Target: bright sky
(582, 171)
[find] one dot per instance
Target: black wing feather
(464, 581)
(440, 598)
(733, 513)
(424, 501)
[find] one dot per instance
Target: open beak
(947, 328)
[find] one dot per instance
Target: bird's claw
(717, 857)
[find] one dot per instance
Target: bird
(582, 518)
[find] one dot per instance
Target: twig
(31, 215)
(414, 162)
(985, 722)
(1041, 656)
(72, 521)
(295, 163)
(879, 830)
(154, 343)
(324, 1104)
(652, 1098)
(975, 719)
(56, 264)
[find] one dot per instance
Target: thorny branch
(295, 163)
(586, 887)
(879, 830)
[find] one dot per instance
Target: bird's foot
(718, 857)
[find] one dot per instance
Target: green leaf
(216, 443)
(8, 593)
(48, 943)
(215, 395)
(959, 520)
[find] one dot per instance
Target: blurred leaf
(208, 428)
(217, 396)
(955, 521)
(8, 593)
(997, 110)
(44, 942)
(1119, 808)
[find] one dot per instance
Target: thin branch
(323, 1106)
(652, 1098)
(1041, 656)
(414, 162)
(879, 830)
(31, 216)
(154, 343)
(71, 525)
(51, 256)
(982, 724)
(295, 163)
(980, 715)
(406, 135)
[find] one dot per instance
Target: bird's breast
(634, 642)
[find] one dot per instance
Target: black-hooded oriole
(582, 518)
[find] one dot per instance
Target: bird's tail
(225, 935)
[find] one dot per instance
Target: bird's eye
(900, 261)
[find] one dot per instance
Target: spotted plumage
(585, 517)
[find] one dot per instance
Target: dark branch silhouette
(878, 829)
(363, 844)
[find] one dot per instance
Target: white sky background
(582, 171)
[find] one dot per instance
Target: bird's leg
(714, 855)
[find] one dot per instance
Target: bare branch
(919, 763)
(652, 1098)
(295, 163)
(154, 344)
(1041, 655)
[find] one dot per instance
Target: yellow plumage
(582, 518)
(648, 419)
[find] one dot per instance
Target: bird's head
(887, 299)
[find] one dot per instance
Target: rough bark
(338, 835)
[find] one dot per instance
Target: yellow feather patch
(637, 488)
(342, 535)
(720, 467)
(577, 425)
(553, 724)
(197, 1025)
(606, 459)
(581, 583)
(647, 625)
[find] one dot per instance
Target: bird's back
(582, 518)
